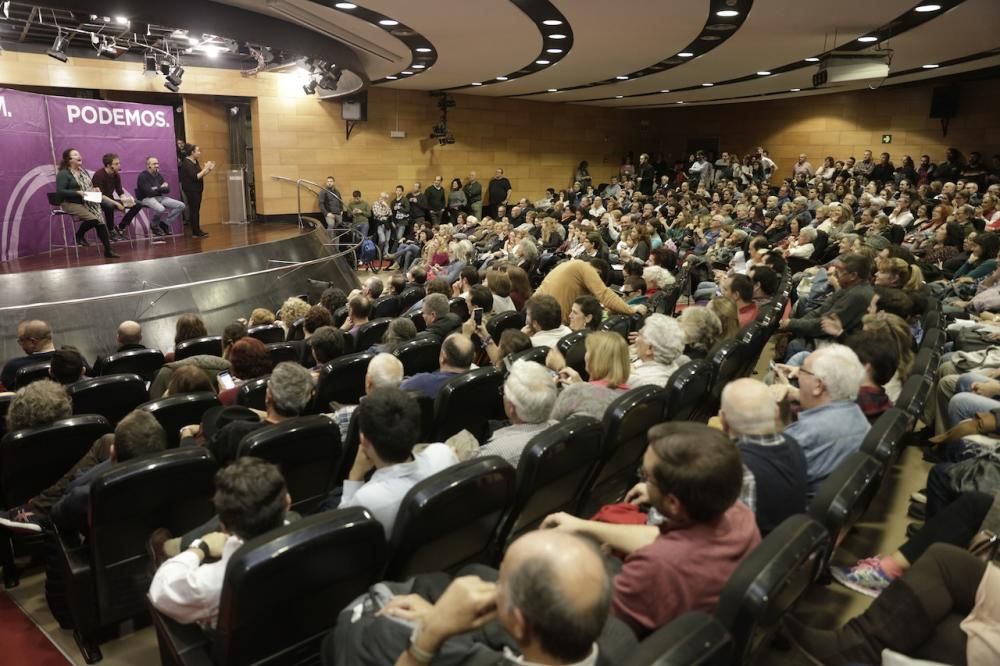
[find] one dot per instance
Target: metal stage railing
(353, 238)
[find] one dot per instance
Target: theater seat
(339, 316)
(267, 333)
(769, 582)
(297, 330)
(460, 307)
(468, 402)
(912, 398)
(31, 373)
(535, 354)
(687, 392)
(253, 393)
(371, 333)
(926, 361)
(574, 347)
(552, 474)
(281, 352)
(177, 411)
(418, 320)
(693, 639)
(387, 306)
(503, 321)
(108, 577)
(450, 519)
(755, 337)
(307, 449)
(620, 324)
(419, 355)
(409, 297)
(111, 396)
(282, 593)
(143, 362)
(728, 359)
(884, 441)
(341, 380)
(844, 496)
(210, 345)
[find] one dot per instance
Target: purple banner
(36, 129)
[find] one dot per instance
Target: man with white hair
(528, 396)
(659, 348)
(384, 370)
(831, 425)
(750, 418)
(657, 278)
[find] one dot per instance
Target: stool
(61, 215)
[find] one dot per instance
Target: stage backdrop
(34, 131)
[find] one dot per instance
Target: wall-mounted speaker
(944, 102)
(355, 107)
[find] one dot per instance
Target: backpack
(369, 251)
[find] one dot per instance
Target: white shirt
(384, 492)
(904, 219)
(651, 372)
(510, 657)
(189, 592)
(502, 304)
(550, 337)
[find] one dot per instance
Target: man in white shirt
(528, 396)
(901, 215)
(543, 317)
(250, 499)
(389, 426)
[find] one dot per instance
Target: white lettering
(131, 117)
(89, 115)
(72, 112)
(119, 115)
(7, 114)
(104, 115)
(148, 119)
(161, 119)
(109, 116)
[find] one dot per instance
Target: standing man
(331, 205)
(361, 212)
(435, 197)
(109, 181)
(193, 186)
(152, 190)
(499, 191)
(802, 167)
(646, 175)
(418, 204)
(474, 193)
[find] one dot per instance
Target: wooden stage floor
(221, 237)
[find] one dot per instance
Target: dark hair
(858, 264)
(664, 257)
(360, 306)
(316, 317)
(390, 419)
(64, 163)
(954, 234)
(591, 306)
(878, 351)
(327, 343)
(333, 298)
(513, 340)
(137, 434)
(699, 466)
(545, 311)
(397, 283)
(189, 327)
(109, 158)
(189, 149)
(250, 497)
(481, 297)
(634, 283)
(458, 350)
(893, 300)
(249, 359)
(742, 286)
(356, 193)
(66, 365)
(419, 275)
(990, 244)
(766, 278)
(233, 332)
(633, 268)
(776, 262)
(438, 286)
(189, 378)
(469, 273)
(602, 267)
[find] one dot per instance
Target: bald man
(749, 415)
(35, 338)
(457, 353)
(129, 338)
(549, 605)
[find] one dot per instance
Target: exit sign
(886, 138)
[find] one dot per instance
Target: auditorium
(483, 332)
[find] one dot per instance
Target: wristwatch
(203, 547)
(419, 655)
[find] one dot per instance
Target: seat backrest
(5, 400)
(844, 496)
(339, 316)
(687, 391)
(31, 373)
(171, 489)
(342, 380)
(284, 589)
(419, 355)
(536, 354)
(143, 362)
(450, 518)
(389, 305)
(468, 402)
(755, 338)
(253, 393)
(574, 348)
(283, 351)
(210, 345)
(371, 333)
(33, 459)
(620, 324)
(693, 639)
(176, 411)
(926, 360)
(553, 473)
(418, 320)
(728, 361)
(460, 307)
(884, 439)
(499, 323)
(934, 338)
(307, 449)
(913, 396)
(768, 582)
(267, 333)
(409, 297)
(297, 330)
(111, 396)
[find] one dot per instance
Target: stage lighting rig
(58, 50)
(440, 131)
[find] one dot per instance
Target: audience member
(529, 393)
(359, 309)
(38, 404)
(129, 338)
(384, 371)
(326, 343)
(35, 338)
(572, 279)
(67, 366)
(702, 329)
(586, 313)
(880, 359)
(400, 330)
(440, 321)
(543, 321)
(608, 367)
(455, 359)
(659, 347)
(739, 289)
(248, 359)
(189, 379)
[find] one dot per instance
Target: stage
(221, 277)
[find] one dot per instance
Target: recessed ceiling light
(392, 77)
(795, 90)
(552, 22)
(346, 5)
(868, 39)
(707, 85)
(618, 96)
(726, 13)
(664, 91)
(419, 66)
(927, 8)
(406, 72)
(680, 101)
(930, 66)
(763, 73)
(501, 78)
(543, 62)
(685, 54)
(477, 83)
(812, 59)
(557, 36)
(388, 22)
(423, 49)
(553, 50)
(553, 89)
(622, 78)
(121, 20)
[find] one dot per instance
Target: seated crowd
(579, 299)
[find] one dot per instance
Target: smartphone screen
(226, 380)
(478, 314)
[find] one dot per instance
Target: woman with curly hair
(291, 311)
(248, 359)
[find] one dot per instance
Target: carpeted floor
(23, 642)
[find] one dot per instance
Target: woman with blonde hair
(725, 309)
(291, 310)
(895, 272)
(260, 317)
(607, 363)
(702, 329)
(896, 328)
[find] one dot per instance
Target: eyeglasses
(802, 369)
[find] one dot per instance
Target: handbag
(980, 473)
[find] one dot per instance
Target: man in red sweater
(693, 475)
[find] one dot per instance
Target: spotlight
(446, 140)
(108, 50)
(310, 87)
(149, 67)
(173, 82)
(58, 50)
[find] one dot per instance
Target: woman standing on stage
(193, 184)
(72, 181)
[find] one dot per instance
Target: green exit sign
(886, 138)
